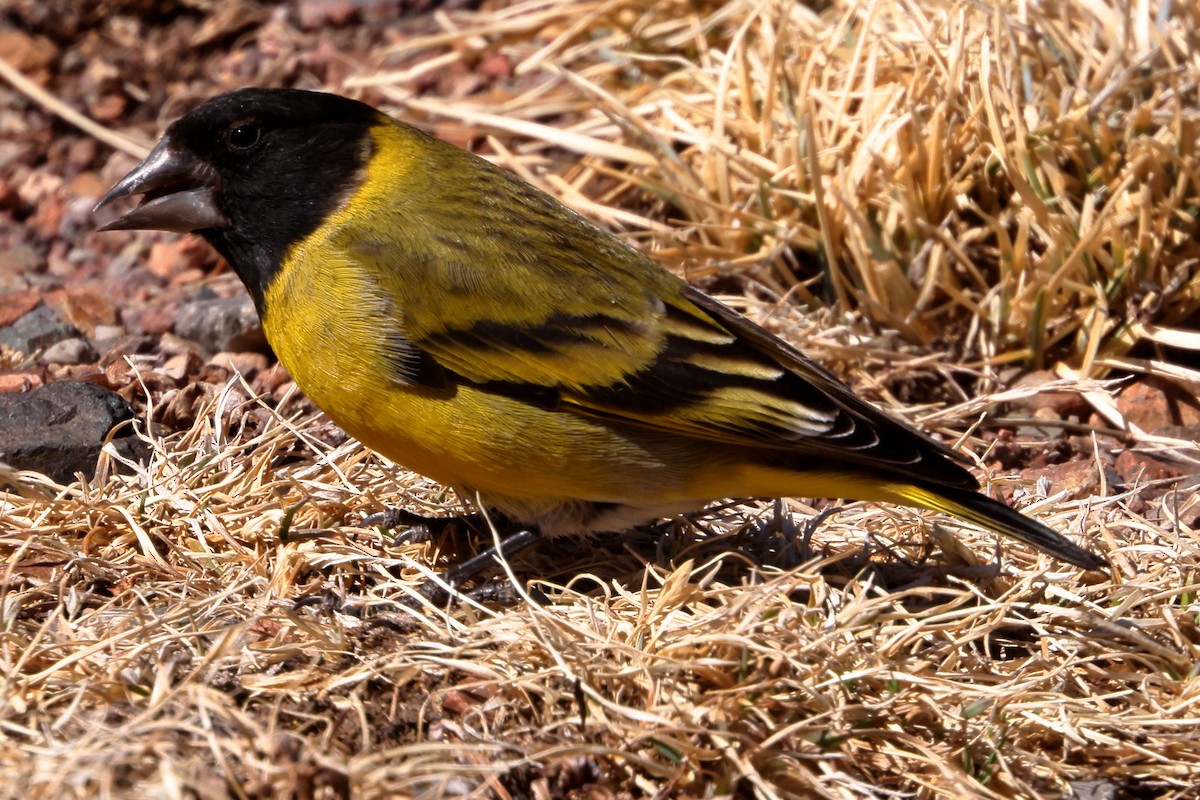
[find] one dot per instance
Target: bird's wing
(626, 341)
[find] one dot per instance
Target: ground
(983, 220)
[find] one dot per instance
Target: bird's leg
(478, 564)
(422, 528)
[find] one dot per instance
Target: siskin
(472, 329)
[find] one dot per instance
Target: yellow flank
(326, 300)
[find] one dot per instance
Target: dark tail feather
(996, 516)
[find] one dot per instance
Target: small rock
(20, 380)
(178, 367)
(58, 264)
(1136, 467)
(87, 185)
(85, 307)
(48, 215)
(248, 364)
(20, 261)
(58, 429)
(76, 219)
(81, 153)
(272, 380)
(128, 345)
(85, 373)
(13, 282)
(1143, 405)
(36, 331)
(166, 258)
(153, 321)
(76, 350)
(1078, 478)
(224, 324)
(172, 345)
(15, 305)
(1153, 405)
(119, 376)
(1098, 789)
(1063, 405)
(108, 108)
(180, 408)
(27, 53)
(39, 186)
(188, 277)
(105, 336)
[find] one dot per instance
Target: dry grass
(996, 185)
(170, 629)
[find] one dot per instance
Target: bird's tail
(996, 516)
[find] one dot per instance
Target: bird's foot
(422, 529)
(435, 591)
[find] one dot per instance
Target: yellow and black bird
(471, 328)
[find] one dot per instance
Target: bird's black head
(252, 171)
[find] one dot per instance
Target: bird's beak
(180, 193)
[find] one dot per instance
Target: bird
(471, 328)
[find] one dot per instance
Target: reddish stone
(1077, 477)
(179, 409)
(457, 703)
(157, 321)
(82, 373)
(85, 307)
(248, 364)
(1135, 467)
(1153, 405)
(108, 108)
(15, 305)
(495, 66)
(86, 184)
(20, 380)
(179, 367)
(27, 53)
(1062, 405)
(118, 374)
(166, 258)
(48, 216)
(188, 277)
(270, 380)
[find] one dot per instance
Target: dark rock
(222, 324)
(58, 429)
(37, 330)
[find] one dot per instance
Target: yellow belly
(331, 327)
(337, 331)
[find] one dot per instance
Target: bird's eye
(243, 136)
